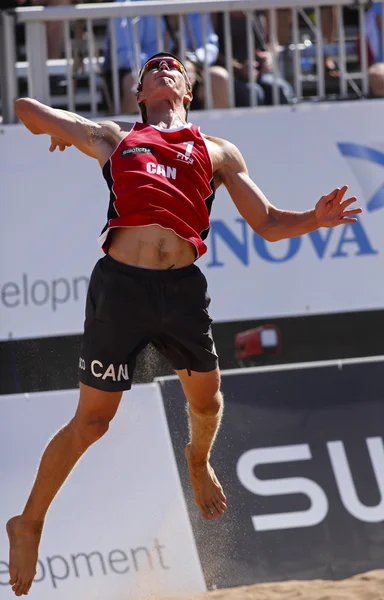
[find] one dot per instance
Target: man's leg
(55, 31)
(219, 86)
(376, 80)
(242, 94)
(205, 407)
(91, 421)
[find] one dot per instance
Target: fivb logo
(367, 164)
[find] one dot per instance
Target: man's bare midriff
(150, 247)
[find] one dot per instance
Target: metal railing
(38, 66)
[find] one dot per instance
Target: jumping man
(162, 175)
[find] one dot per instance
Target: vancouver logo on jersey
(137, 150)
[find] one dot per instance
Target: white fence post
(36, 19)
(8, 82)
(38, 84)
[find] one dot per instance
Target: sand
(367, 586)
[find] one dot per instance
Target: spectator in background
(328, 15)
(328, 18)
(148, 46)
(263, 63)
(55, 39)
(55, 29)
(193, 34)
(373, 23)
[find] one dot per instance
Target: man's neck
(164, 115)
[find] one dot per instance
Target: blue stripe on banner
(362, 152)
(371, 155)
(377, 200)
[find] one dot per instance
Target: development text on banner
(119, 527)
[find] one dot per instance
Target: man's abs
(151, 247)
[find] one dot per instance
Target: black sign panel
(301, 458)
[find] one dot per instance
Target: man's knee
(376, 80)
(219, 75)
(95, 411)
(128, 83)
(208, 406)
(219, 84)
(285, 91)
(90, 429)
(129, 103)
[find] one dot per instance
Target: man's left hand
(331, 210)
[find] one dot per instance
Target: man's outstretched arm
(272, 223)
(67, 128)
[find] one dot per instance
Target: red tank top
(161, 177)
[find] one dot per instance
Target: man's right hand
(58, 143)
(66, 128)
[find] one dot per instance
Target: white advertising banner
(119, 527)
(54, 206)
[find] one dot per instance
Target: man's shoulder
(223, 153)
(125, 126)
(215, 140)
(224, 146)
(115, 130)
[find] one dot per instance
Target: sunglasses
(172, 64)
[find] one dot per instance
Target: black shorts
(128, 307)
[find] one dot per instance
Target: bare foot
(208, 493)
(24, 539)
